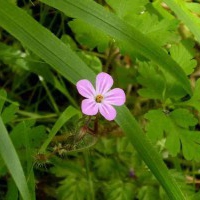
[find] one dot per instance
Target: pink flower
(102, 98)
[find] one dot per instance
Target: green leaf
(148, 193)
(74, 183)
(191, 145)
(179, 7)
(152, 80)
(176, 127)
(68, 113)
(54, 53)
(194, 101)
(127, 123)
(162, 31)
(183, 54)
(72, 189)
(104, 167)
(127, 7)
(9, 113)
(88, 35)
(69, 41)
(110, 24)
(194, 7)
(12, 162)
(157, 84)
(92, 61)
(13, 57)
(119, 190)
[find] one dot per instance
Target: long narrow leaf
(12, 162)
(68, 113)
(96, 15)
(43, 43)
(180, 9)
(61, 58)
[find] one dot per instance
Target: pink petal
(115, 97)
(107, 111)
(103, 83)
(85, 88)
(89, 107)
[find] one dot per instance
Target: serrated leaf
(119, 190)
(191, 144)
(157, 84)
(156, 124)
(179, 7)
(176, 127)
(183, 118)
(173, 142)
(152, 80)
(183, 54)
(13, 57)
(9, 113)
(194, 101)
(104, 167)
(88, 35)
(148, 193)
(72, 189)
(162, 31)
(127, 7)
(92, 61)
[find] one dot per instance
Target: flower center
(99, 98)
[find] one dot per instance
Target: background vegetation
(151, 49)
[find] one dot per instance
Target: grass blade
(96, 15)
(182, 12)
(12, 162)
(64, 117)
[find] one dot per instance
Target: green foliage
(148, 193)
(156, 84)
(49, 150)
(162, 31)
(190, 20)
(89, 36)
(195, 99)
(127, 7)
(183, 54)
(13, 57)
(119, 190)
(11, 160)
(176, 127)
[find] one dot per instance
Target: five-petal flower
(102, 99)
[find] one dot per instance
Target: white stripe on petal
(85, 88)
(89, 107)
(103, 83)
(115, 97)
(107, 111)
